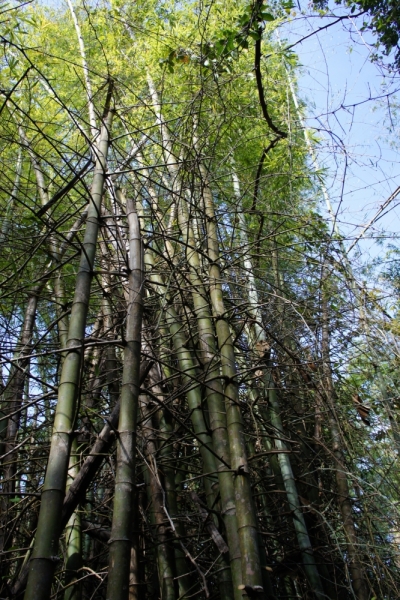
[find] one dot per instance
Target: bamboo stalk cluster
(172, 422)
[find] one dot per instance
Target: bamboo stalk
(215, 402)
(166, 462)
(43, 560)
(259, 339)
(303, 538)
(73, 537)
(211, 367)
(156, 497)
(11, 202)
(246, 518)
(190, 379)
(355, 568)
(120, 541)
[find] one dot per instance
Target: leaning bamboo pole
(42, 563)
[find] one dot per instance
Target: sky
(347, 109)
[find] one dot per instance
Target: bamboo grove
(198, 398)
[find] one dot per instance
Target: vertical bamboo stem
(259, 340)
(167, 466)
(356, 571)
(156, 498)
(215, 401)
(73, 537)
(43, 560)
(120, 541)
(213, 389)
(246, 518)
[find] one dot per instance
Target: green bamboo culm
(358, 579)
(166, 465)
(303, 538)
(44, 556)
(246, 518)
(258, 340)
(195, 396)
(121, 530)
(215, 401)
(73, 536)
(190, 379)
(155, 493)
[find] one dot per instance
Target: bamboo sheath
(44, 555)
